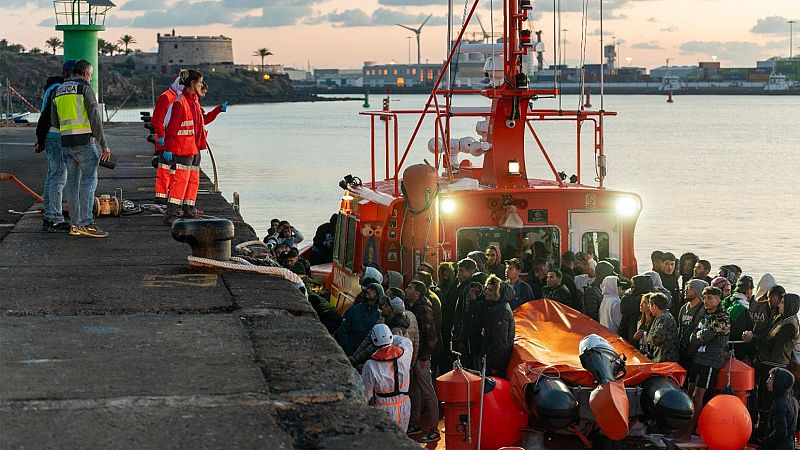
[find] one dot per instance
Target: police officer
(77, 117)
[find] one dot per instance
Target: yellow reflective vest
(73, 119)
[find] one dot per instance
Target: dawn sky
(345, 33)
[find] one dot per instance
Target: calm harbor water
(717, 174)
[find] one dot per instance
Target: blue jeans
(55, 181)
(82, 163)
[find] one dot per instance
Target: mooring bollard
(209, 238)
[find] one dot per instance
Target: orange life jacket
(180, 133)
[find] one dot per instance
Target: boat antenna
(600, 163)
(449, 38)
(584, 30)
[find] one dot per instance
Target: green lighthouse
(80, 20)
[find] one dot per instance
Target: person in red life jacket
(386, 375)
(190, 210)
(185, 123)
(161, 116)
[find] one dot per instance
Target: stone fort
(188, 51)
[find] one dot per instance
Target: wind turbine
(417, 31)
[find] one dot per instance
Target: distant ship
(670, 82)
(777, 82)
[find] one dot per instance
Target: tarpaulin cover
(548, 334)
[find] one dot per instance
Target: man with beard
(498, 326)
(568, 279)
(467, 273)
(669, 279)
(555, 289)
(702, 269)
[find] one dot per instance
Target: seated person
(286, 234)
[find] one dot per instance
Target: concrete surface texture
(117, 343)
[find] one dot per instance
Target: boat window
(338, 246)
(595, 242)
(525, 243)
(350, 247)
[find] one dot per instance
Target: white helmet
(381, 335)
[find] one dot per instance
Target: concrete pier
(117, 343)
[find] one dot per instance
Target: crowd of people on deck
(675, 312)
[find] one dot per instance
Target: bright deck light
(448, 206)
(627, 206)
(513, 167)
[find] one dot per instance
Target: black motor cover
(552, 402)
(665, 403)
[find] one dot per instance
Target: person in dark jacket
(783, 413)
(555, 289)
(324, 239)
(523, 292)
(592, 293)
(776, 348)
(424, 405)
(629, 306)
(669, 279)
(446, 290)
(686, 269)
(568, 279)
(688, 318)
(494, 262)
(359, 319)
(498, 326)
(467, 274)
(711, 338)
(48, 139)
(737, 306)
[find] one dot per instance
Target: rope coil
(280, 272)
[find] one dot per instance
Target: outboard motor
(666, 403)
(608, 401)
(209, 238)
(551, 401)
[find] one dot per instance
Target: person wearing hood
(782, 421)
(688, 318)
(494, 262)
(761, 309)
(48, 139)
(479, 257)
(610, 314)
(737, 307)
(568, 279)
(776, 349)
(401, 322)
(655, 278)
(359, 319)
(498, 326)
(594, 294)
(630, 304)
(162, 113)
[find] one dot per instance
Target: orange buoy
(725, 412)
(669, 98)
(743, 378)
(502, 421)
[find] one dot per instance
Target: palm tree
(112, 47)
(262, 52)
(54, 43)
(126, 40)
(102, 46)
(35, 51)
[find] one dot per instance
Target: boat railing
(393, 162)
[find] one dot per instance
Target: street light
(791, 23)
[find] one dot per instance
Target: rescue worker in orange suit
(161, 116)
(386, 375)
(202, 144)
(185, 123)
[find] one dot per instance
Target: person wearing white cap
(386, 374)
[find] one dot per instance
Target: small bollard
(209, 238)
